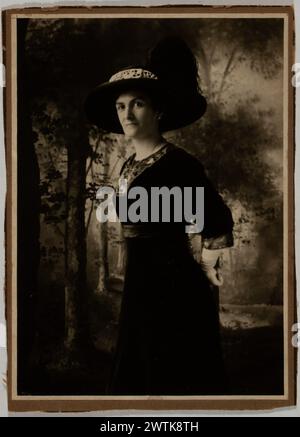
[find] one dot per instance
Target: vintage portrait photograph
(149, 216)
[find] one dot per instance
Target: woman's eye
(139, 104)
(120, 108)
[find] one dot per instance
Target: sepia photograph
(150, 209)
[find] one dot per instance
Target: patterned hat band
(133, 73)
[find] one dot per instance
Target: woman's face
(136, 114)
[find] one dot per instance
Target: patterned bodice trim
(132, 168)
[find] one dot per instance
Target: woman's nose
(128, 113)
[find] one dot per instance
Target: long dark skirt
(169, 340)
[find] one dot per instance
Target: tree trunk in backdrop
(76, 298)
(28, 215)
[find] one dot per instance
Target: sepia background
(71, 266)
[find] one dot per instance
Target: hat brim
(179, 109)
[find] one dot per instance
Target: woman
(168, 340)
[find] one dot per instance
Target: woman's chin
(131, 131)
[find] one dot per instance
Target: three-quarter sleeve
(218, 222)
(217, 231)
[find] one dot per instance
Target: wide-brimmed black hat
(179, 108)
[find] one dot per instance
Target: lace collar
(133, 168)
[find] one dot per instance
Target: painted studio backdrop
(71, 267)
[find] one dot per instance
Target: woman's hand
(210, 263)
(210, 260)
(214, 276)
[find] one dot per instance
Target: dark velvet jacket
(169, 338)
